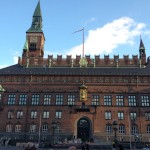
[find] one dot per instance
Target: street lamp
(115, 128)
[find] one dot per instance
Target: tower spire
(141, 49)
(36, 25)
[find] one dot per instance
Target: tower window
(32, 46)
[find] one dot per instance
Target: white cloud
(15, 59)
(105, 39)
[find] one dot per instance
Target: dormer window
(32, 46)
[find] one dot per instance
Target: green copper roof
(37, 20)
(26, 46)
(37, 12)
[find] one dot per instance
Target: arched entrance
(83, 129)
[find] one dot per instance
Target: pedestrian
(72, 148)
(33, 147)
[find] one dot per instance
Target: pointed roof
(142, 47)
(38, 12)
(36, 25)
(1, 88)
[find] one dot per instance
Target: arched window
(45, 127)
(148, 128)
(134, 129)
(18, 127)
(9, 127)
(108, 128)
(121, 128)
(32, 127)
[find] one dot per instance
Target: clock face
(33, 39)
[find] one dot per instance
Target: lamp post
(54, 126)
(115, 128)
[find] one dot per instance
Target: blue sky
(111, 27)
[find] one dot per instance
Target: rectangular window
(148, 129)
(107, 115)
(132, 100)
(45, 128)
(58, 114)
(23, 99)
(133, 115)
(120, 115)
(134, 129)
(57, 130)
(108, 129)
(33, 114)
(47, 99)
(46, 114)
(18, 128)
(32, 128)
(71, 99)
(11, 99)
(10, 114)
(19, 114)
(95, 100)
(145, 100)
(121, 129)
(59, 99)
(35, 99)
(107, 100)
(147, 116)
(120, 100)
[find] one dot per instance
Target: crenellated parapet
(68, 61)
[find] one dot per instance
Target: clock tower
(34, 45)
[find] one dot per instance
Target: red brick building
(74, 97)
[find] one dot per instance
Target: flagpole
(83, 44)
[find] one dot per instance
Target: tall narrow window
(19, 114)
(108, 128)
(9, 127)
(45, 128)
(95, 100)
(145, 100)
(59, 99)
(11, 99)
(46, 114)
(121, 129)
(18, 128)
(134, 129)
(107, 100)
(71, 99)
(120, 115)
(32, 128)
(47, 99)
(58, 114)
(10, 114)
(132, 100)
(133, 115)
(119, 100)
(35, 99)
(148, 129)
(23, 99)
(107, 115)
(33, 114)
(147, 116)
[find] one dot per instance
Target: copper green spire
(37, 20)
(142, 49)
